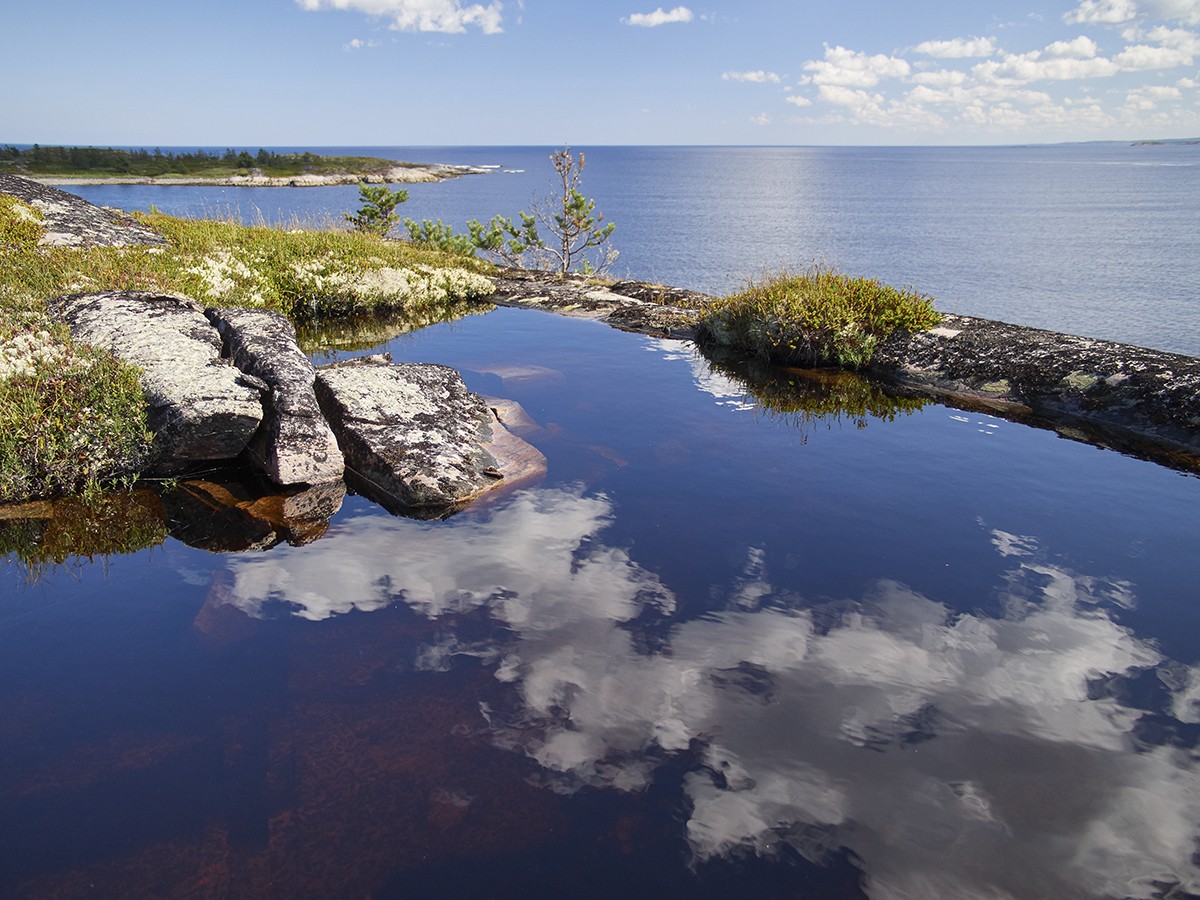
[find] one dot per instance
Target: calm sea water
(755, 634)
(1093, 239)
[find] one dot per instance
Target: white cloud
(850, 68)
(359, 44)
(959, 48)
(1107, 12)
(1082, 47)
(798, 100)
(760, 119)
(1186, 11)
(756, 77)
(659, 17)
(1036, 66)
(940, 78)
(1139, 57)
(422, 15)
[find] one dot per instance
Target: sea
(1096, 239)
(757, 632)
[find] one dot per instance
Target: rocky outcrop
(1100, 391)
(411, 173)
(294, 444)
(413, 436)
(631, 306)
(70, 221)
(200, 407)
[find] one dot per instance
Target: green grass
(73, 417)
(818, 317)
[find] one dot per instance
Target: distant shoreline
(406, 174)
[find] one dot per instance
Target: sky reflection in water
(958, 652)
(938, 747)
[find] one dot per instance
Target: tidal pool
(794, 637)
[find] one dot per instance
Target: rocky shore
(226, 384)
(406, 174)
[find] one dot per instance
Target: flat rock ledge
(71, 221)
(415, 439)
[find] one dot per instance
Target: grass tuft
(818, 317)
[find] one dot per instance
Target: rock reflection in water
(219, 515)
(952, 754)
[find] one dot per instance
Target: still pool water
(822, 644)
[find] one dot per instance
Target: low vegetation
(818, 317)
(73, 417)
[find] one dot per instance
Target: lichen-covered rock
(70, 221)
(1121, 392)
(294, 444)
(413, 436)
(200, 407)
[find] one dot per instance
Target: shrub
(819, 317)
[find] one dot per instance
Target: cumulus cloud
(798, 100)
(1107, 12)
(761, 119)
(679, 14)
(850, 68)
(756, 77)
(449, 16)
(959, 48)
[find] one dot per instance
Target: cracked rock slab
(199, 407)
(415, 440)
(294, 445)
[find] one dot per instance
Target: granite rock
(294, 445)
(200, 407)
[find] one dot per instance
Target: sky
(178, 73)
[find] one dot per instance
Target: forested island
(81, 165)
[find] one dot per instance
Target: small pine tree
(378, 213)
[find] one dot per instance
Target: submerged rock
(200, 407)
(70, 221)
(415, 439)
(294, 444)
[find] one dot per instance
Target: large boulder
(200, 407)
(294, 444)
(70, 221)
(415, 439)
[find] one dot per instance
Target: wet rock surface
(294, 444)
(413, 436)
(200, 407)
(70, 221)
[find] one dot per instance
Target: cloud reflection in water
(953, 754)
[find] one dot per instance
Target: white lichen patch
(25, 353)
(221, 273)
(388, 286)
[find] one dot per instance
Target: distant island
(96, 165)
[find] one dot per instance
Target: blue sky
(454, 72)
